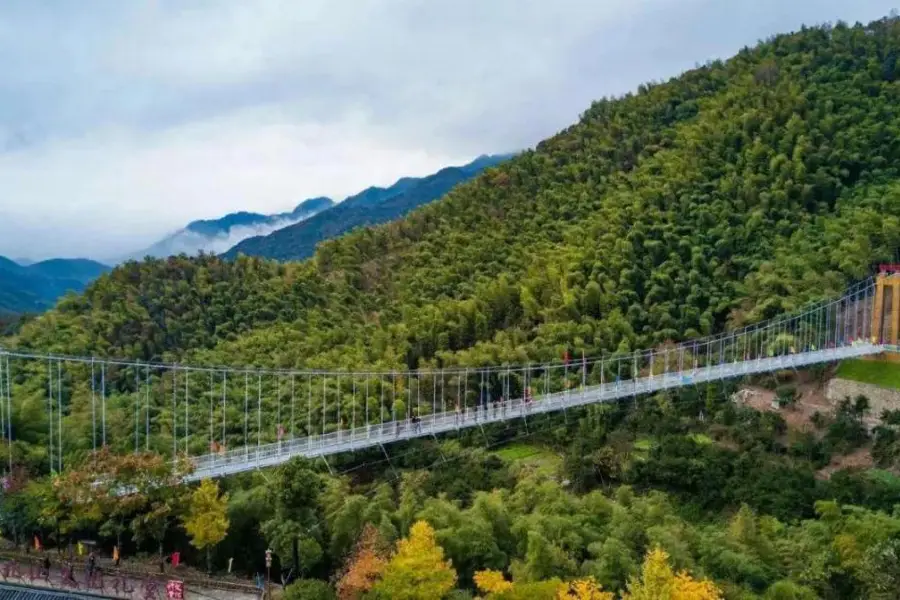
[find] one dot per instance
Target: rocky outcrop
(880, 398)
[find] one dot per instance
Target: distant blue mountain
(36, 287)
(372, 206)
(217, 235)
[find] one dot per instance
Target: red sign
(175, 590)
(889, 268)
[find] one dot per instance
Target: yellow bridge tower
(886, 309)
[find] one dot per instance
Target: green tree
(293, 528)
(788, 590)
(93, 490)
(19, 509)
(309, 589)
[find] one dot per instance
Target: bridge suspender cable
(258, 411)
(9, 412)
(147, 388)
(103, 403)
(2, 395)
(137, 408)
(174, 412)
(50, 411)
(224, 399)
(278, 407)
(293, 419)
(210, 397)
(309, 409)
(187, 414)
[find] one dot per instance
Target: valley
(734, 215)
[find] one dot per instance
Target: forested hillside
(723, 196)
(372, 206)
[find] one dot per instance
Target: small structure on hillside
(743, 396)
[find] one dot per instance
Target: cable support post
(2, 394)
(50, 411)
(258, 413)
(187, 413)
(9, 411)
(148, 385)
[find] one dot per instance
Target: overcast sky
(121, 121)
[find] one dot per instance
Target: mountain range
(218, 235)
(293, 235)
(36, 287)
(33, 287)
(372, 206)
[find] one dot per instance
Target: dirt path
(860, 458)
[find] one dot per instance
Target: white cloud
(114, 192)
(118, 126)
(191, 243)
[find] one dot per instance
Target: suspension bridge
(227, 420)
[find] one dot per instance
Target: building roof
(10, 591)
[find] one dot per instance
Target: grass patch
(644, 445)
(701, 439)
(640, 449)
(535, 458)
(883, 373)
(519, 452)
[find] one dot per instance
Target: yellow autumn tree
(492, 582)
(206, 520)
(582, 589)
(659, 582)
(417, 571)
(494, 586)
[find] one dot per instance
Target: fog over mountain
(216, 236)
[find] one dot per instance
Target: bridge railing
(373, 435)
